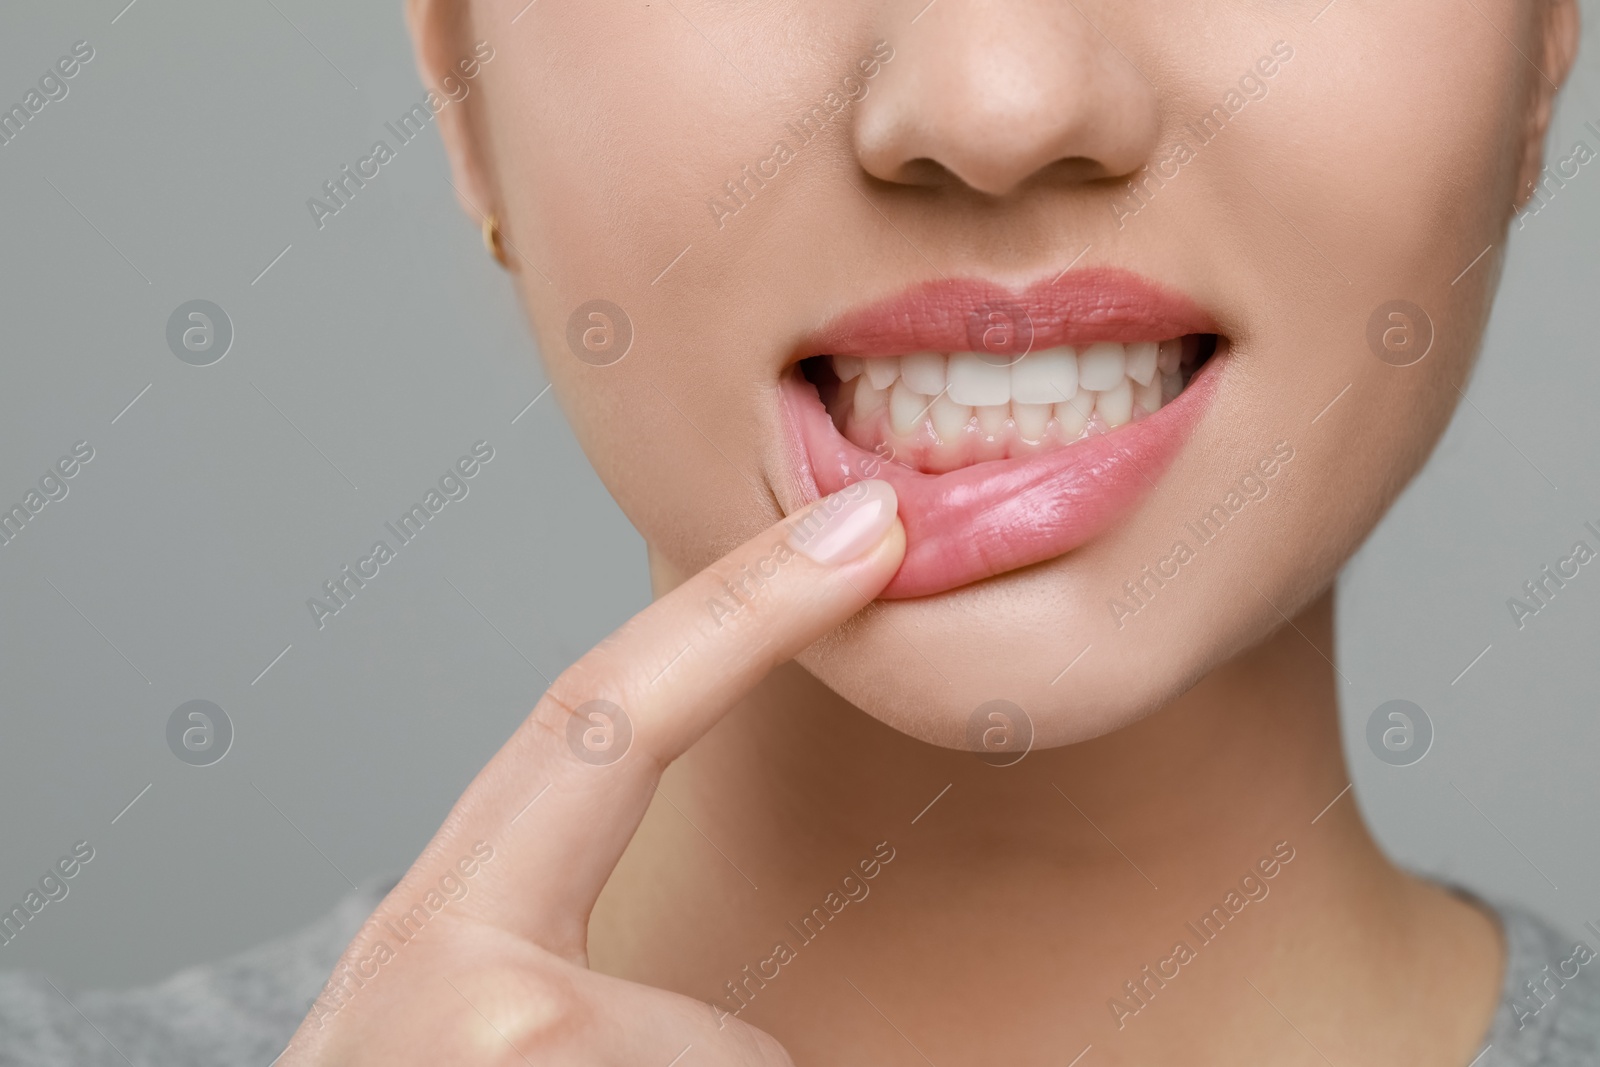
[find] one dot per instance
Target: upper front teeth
(924, 372)
(974, 382)
(1051, 376)
(1047, 377)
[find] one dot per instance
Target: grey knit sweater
(241, 1013)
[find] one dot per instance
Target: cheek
(1404, 157)
(1380, 173)
(679, 429)
(623, 197)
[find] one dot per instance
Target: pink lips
(993, 517)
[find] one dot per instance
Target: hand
(479, 955)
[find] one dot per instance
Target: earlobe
(440, 39)
(1558, 49)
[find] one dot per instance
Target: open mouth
(940, 411)
(1008, 453)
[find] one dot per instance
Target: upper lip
(954, 314)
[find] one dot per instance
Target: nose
(995, 94)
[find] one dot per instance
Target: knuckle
(740, 589)
(606, 672)
(513, 1015)
(591, 719)
(595, 676)
(757, 1048)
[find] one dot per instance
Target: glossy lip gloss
(996, 516)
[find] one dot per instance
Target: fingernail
(840, 527)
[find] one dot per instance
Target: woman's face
(1114, 293)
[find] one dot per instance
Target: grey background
(376, 351)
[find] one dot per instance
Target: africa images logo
(1252, 888)
(453, 485)
(737, 193)
(343, 187)
(53, 87)
(851, 888)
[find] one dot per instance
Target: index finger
(557, 805)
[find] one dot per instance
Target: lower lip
(994, 517)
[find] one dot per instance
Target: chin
(1043, 639)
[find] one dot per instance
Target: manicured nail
(843, 526)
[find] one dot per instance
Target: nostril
(997, 99)
(926, 173)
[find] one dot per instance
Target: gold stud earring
(493, 241)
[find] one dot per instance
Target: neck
(1115, 892)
